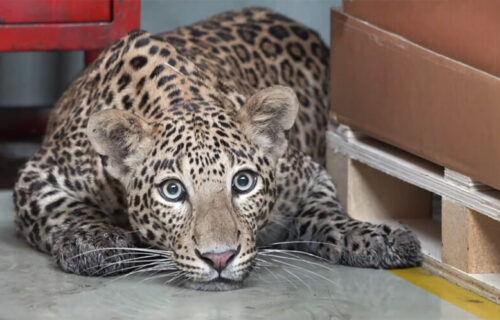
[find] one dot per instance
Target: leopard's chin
(219, 284)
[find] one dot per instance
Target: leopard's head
(200, 179)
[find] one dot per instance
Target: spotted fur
(245, 90)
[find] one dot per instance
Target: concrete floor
(33, 288)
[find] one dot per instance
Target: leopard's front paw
(405, 248)
(93, 253)
(380, 246)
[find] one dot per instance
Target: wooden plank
(455, 235)
(429, 234)
(344, 144)
(372, 194)
(464, 180)
(485, 285)
(471, 240)
(368, 194)
(414, 170)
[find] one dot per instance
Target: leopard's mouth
(209, 278)
(218, 284)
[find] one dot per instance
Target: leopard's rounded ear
(266, 115)
(123, 138)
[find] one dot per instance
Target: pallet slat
(464, 180)
(413, 170)
(348, 151)
(471, 240)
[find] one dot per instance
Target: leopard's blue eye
(244, 181)
(172, 190)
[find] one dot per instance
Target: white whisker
(295, 258)
(175, 278)
(264, 251)
(162, 275)
(298, 242)
(298, 278)
(306, 270)
(129, 250)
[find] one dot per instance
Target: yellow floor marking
(446, 290)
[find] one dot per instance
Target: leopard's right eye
(172, 190)
(244, 181)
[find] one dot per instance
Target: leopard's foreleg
(80, 237)
(321, 226)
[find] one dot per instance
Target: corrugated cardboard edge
(402, 46)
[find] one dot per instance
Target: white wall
(37, 79)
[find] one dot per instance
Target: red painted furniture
(41, 25)
(47, 25)
(90, 25)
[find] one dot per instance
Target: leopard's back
(256, 48)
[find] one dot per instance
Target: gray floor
(32, 288)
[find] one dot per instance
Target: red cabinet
(90, 25)
(47, 25)
(55, 11)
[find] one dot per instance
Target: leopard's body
(190, 110)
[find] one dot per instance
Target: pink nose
(218, 261)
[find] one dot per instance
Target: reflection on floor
(32, 288)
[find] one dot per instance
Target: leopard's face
(200, 187)
(203, 195)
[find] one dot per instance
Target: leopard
(202, 145)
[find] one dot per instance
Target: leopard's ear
(266, 115)
(121, 138)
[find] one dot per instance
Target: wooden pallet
(460, 234)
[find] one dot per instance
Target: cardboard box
(464, 30)
(416, 99)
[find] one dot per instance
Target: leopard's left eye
(244, 181)
(172, 190)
